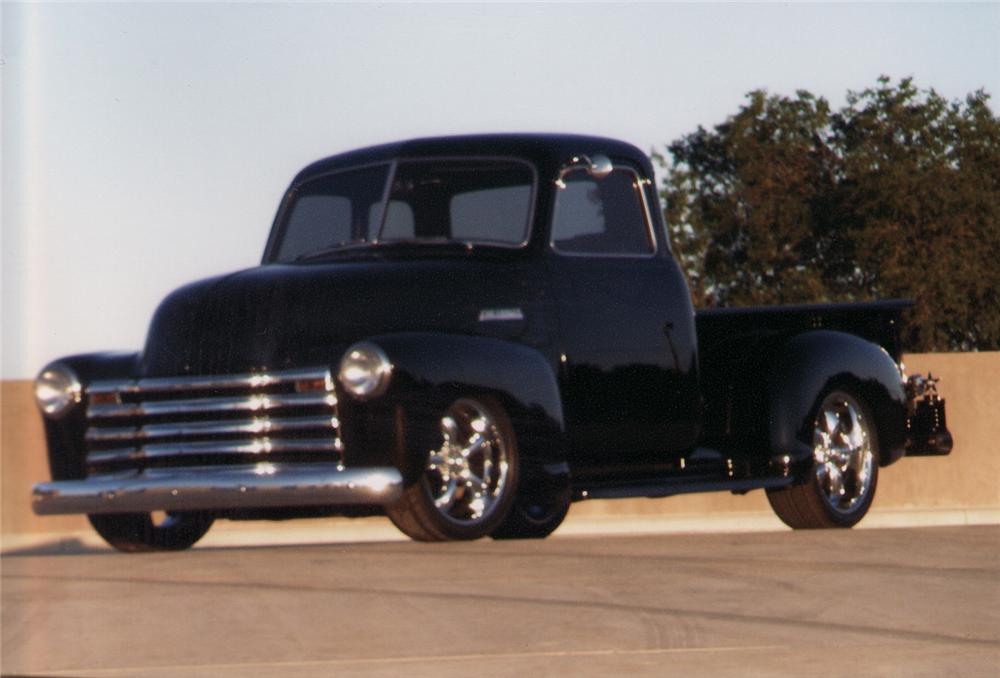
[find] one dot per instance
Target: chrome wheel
(841, 485)
(468, 483)
(468, 474)
(843, 453)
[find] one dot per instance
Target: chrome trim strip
(257, 425)
(261, 446)
(169, 384)
(254, 403)
(229, 487)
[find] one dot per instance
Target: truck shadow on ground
(61, 547)
(77, 547)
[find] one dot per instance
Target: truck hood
(281, 316)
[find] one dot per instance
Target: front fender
(808, 366)
(431, 369)
(64, 437)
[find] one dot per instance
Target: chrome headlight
(57, 390)
(365, 370)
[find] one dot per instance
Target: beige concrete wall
(968, 479)
(23, 462)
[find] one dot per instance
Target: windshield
(467, 201)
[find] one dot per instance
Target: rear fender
(810, 365)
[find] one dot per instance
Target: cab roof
(547, 151)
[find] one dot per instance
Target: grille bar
(254, 403)
(257, 425)
(143, 423)
(229, 448)
(215, 382)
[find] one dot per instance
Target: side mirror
(598, 167)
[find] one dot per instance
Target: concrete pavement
(861, 602)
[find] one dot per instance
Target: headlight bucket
(365, 370)
(57, 390)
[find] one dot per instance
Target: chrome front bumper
(219, 487)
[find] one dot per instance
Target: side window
(601, 216)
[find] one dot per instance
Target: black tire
(469, 483)
(139, 533)
(534, 515)
(839, 490)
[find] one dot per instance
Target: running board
(666, 487)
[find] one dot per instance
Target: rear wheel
(842, 484)
(469, 482)
(141, 532)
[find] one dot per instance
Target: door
(626, 326)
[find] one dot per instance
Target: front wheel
(534, 515)
(142, 532)
(842, 484)
(469, 482)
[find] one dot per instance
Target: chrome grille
(288, 416)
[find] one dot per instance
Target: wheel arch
(432, 369)
(808, 366)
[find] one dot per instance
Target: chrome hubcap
(467, 474)
(842, 449)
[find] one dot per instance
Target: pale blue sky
(146, 145)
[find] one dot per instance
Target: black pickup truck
(468, 334)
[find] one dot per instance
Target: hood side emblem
(496, 314)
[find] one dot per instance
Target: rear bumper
(219, 487)
(932, 445)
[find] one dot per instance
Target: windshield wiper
(437, 241)
(463, 245)
(334, 249)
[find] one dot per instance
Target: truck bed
(737, 346)
(877, 321)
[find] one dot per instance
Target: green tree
(895, 195)
(742, 201)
